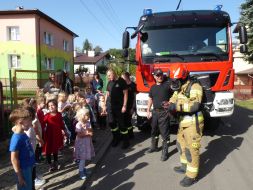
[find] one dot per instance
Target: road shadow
(116, 177)
(226, 139)
(119, 173)
(216, 152)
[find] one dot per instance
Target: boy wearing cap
(159, 92)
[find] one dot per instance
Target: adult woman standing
(95, 82)
(56, 87)
(49, 83)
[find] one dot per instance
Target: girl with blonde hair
(84, 149)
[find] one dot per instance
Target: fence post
(11, 87)
(14, 87)
(1, 112)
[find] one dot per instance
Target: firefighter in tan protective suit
(186, 103)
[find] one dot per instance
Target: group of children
(43, 124)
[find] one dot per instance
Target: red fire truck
(200, 39)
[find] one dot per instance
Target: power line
(112, 11)
(178, 5)
(100, 23)
(107, 16)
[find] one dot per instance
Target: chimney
(75, 53)
(91, 53)
(19, 8)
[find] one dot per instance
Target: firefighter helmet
(177, 71)
(178, 74)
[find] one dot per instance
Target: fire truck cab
(200, 39)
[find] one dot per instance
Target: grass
(248, 104)
(21, 93)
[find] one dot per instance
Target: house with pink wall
(31, 40)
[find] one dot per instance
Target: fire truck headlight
(226, 101)
(142, 102)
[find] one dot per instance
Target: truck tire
(143, 124)
(212, 123)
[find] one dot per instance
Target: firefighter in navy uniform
(116, 106)
(160, 121)
(186, 102)
(131, 108)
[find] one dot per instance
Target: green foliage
(119, 63)
(102, 69)
(98, 50)
(81, 70)
(246, 19)
(78, 50)
(87, 45)
(248, 104)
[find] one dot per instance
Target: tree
(246, 19)
(120, 63)
(98, 50)
(81, 72)
(78, 50)
(87, 46)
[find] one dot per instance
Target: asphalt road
(226, 161)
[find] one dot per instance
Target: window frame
(49, 63)
(48, 38)
(17, 61)
(66, 66)
(16, 33)
(65, 45)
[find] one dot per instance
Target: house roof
(247, 71)
(39, 13)
(84, 58)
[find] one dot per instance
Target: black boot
(125, 143)
(116, 139)
(165, 154)
(154, 145)
(186, 182)
(131, 133)
(180, 169)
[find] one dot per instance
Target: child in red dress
(53, 135)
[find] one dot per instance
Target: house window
(14, 61)
(49, 62)
(66, 66)
(13, 33)
(48, 39)
(65, 45)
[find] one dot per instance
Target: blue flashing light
(147, 12)
(218, 7)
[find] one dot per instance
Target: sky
(103, 22)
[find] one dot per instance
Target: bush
(102, 69)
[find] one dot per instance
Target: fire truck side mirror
(243, 48)
(243, 35)
(125, 40)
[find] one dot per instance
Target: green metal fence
(6, 103)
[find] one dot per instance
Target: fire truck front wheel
(142, 123)
(212, 123)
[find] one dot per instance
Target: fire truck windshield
(184, 44)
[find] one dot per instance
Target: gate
(26, 83)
